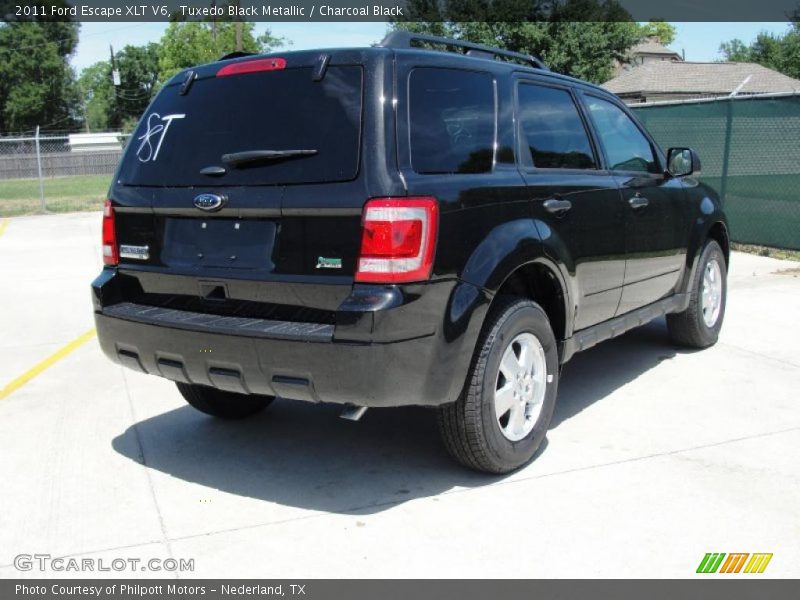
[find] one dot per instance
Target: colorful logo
(329, 263)
(713, 562)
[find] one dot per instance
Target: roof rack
(404, 39)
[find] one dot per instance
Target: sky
(700, 41)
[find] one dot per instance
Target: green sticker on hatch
(329, 263)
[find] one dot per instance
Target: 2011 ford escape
(393, 225)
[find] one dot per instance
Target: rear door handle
(637, 202)
(557, 207)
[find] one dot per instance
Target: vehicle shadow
(302, 455)
(595, 373)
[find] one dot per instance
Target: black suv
(396, 225)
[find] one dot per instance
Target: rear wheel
(502, 416)
(222, 404)
(699, 325)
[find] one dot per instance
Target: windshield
(180, 136)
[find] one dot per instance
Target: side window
(451, 120)
(553, 129)
(626, 147)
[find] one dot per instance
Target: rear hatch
(241, 190)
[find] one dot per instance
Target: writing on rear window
(151, 140)
(182, 139)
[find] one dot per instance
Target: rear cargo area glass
(180, 135)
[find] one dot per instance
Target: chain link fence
(749, 147)
(57, 173)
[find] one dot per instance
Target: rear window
(452, 121)
(275, 110)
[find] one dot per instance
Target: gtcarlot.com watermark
(46, 562)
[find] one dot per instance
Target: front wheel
(501, 418)
(699, 325)
(222, 404)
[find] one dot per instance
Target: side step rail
(591, 336)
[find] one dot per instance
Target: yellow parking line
(46, 363)
(3, 224)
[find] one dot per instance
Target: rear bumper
(378, 371)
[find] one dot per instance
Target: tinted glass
(451, 116)
(626, 147)
(553, 129)
(273, 110)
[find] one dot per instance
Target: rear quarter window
(451, 120)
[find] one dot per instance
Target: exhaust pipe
(353, 413)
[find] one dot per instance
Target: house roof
(651, 46)
(717, 78)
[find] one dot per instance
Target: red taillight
(253, 66)
(398, 240)
(110, 254)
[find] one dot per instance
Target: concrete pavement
(655, 457)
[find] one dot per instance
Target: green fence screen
(749, 148)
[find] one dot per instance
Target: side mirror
(682, 162)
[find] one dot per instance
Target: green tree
(186, 44)
(581, 38)
(664, 31)
(37, 84)
(107, 106)
(779, 52)
(138, 69)
(735, 51)
(97, 91)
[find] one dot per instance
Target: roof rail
(404, 39)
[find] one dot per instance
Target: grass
(767, 251)
(62, 194)
(771, 219)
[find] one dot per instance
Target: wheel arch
(539, 280)
(513, 259)
(719, 232)
(711, 223)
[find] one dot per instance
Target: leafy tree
(107, 106)
(37, 84)
(97, 91)
(138, 69)
(581, 38)
(735, 51)
(779, 52)
(186, 44)
(664, 31)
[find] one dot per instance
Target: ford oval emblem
(209, 202)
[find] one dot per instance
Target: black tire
(470, 427)
(689, 328)
(222, 404)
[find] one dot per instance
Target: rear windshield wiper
(252, 156)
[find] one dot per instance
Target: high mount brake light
(252, 66)
(398, 240)
(110, 252)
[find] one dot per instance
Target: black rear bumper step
(242, 326)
